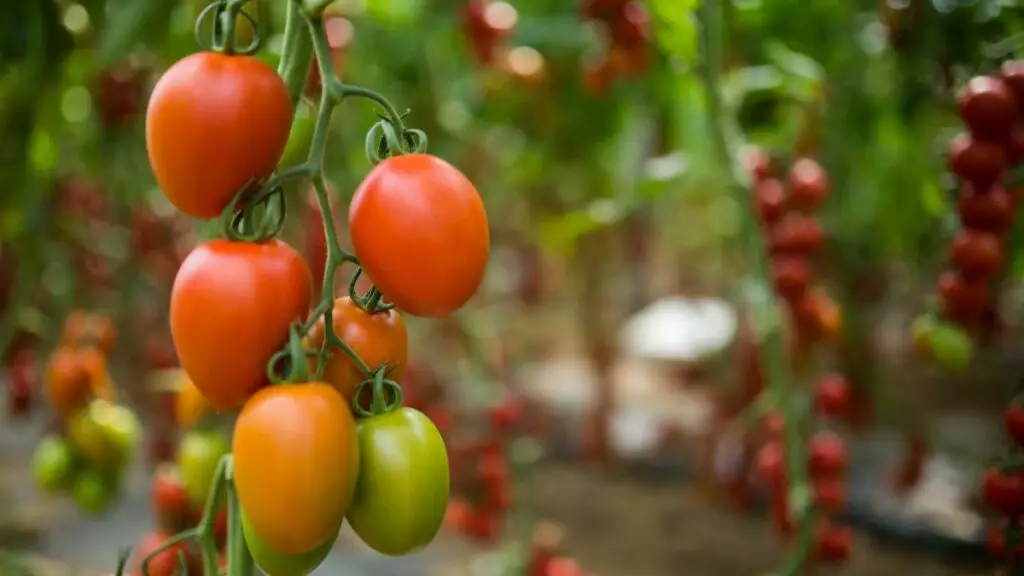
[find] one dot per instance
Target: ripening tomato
(165, 563)
(215, 122)
(379, 338)
(988, 107)
(67, 382)
(170, 501)
(808, 184)
(977, 254)
(190, 406)
(817, 313)
(274, 563)
(404, 458)
(231, 308)
(770, 200)
(975, 161)
(832, 395)
(990, 210)
(1004, 492)
(1014, 420)
(297, 460)
(420, 231)
(827, 455)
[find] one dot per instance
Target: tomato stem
(726, 140)
(240, 561)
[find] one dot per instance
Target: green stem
(296, 53)
(725, 139)
(205, 530)
(239, 559)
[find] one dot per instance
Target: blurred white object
(679, 329)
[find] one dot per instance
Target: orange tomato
(67, 383)
(94, 362)
(83, 328)
(231, 307)
(420, 230)
(190, 406)
(296, 464)
(214, 123)
(377, 339)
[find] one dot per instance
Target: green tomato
(403, 486)
(122, 430)
(300, 137)
(198, 456)
(274, 563)
(92, 492)
(950, 346)
(53, 464)
(89, 438)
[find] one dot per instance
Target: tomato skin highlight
(377, 339)
(404, 460)
(274, 563)
(214, 123)
(420, 231)
(296, 464)
(231, 307)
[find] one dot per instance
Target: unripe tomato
(1004, 492)
(198, 456)
(190, 406)
(104, 435)
(950, 347)
(67, 383)
(975, 161)
(378, 339)
(832, 395)
(53, 464)
(989, 210)
(420, 231)
(165, 563)
(215, 122)
(232, 305)
(404, 459)
(297, 460)
(827, 455)
(808, 184)
(93, 492)
(988, 108)
(1014, 421)
(977, 254)
(274, 563)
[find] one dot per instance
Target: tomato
(502, 417)
(84, 329)
(119, 93)
(975, 161)
(832, 542)
(1004, 492)
(93, 492)
(791, 276)
(989, 210)
(977, 254)
(94, 362)
(1014, 420)
(404, 458)
(300, 137)
(827, 455)
(166, 563)
(963, 300)
(104, 435)
(198, 456)
(832, 395)
(170, 500)
(997, 541)
(808, 184)
(797, 234)
(190, 406)
(950, 347)
(231, 308)
(770, 464)
(53, 463)
(816, 312)
(274, 563)
(420, 231)
(757, 162)
(988, 107)
(378, 339)
(769, 200)
(829, 495)
(774, 425)
(297, 460)
(67, 383)
(215, 122)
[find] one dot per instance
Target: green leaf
(675, 27)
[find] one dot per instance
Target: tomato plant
(417, 472)
(240, 129)
(289, 436)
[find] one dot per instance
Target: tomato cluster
(1002, 487)
(95, 437)
(627, 27)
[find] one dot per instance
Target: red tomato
(757, 162)
(1004, 492)
(797, 234)
(170, 501)
(483, 526)
(774, 425)
(962, 300)
(163, 564)
(990, 209)
(1014, 419)
(231, 307)
(832, 395)
(808, 184)
(420, 231)
(1012, 72)
(980, 163)
(832, 543)
(829, 495)
(791, 276)
(977, 254)
(770, 464)
(997, 541)
(215, 122)
(827, 455)
(505, 416)
(988, 108)
(770, 200)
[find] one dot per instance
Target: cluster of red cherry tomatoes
(627, 26)
(1002, 488)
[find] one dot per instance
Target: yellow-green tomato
(402, 493)
(92, 492)
(198, 456)
(53, 464)
(274, 563)
(121, 428)
(89, 437)
(951, 347)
